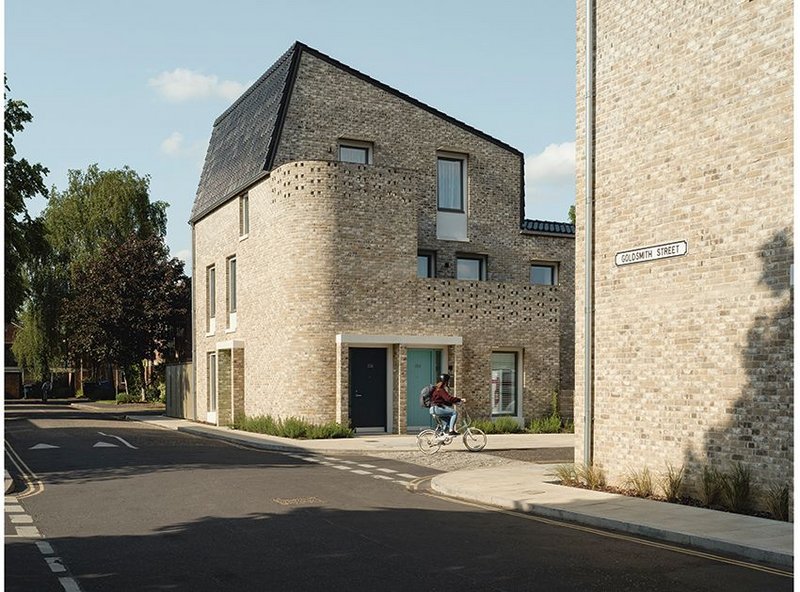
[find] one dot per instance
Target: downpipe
(588, 312)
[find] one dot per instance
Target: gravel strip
(454, 460)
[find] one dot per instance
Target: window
(231, 293)
(211, 305)
(450, 183)
(544, 274)
(470, 267)
(426, 264)
(504, 383)
(244, 215)
(212, 388)
(357, 152)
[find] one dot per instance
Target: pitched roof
(545, 227)
(245, 137)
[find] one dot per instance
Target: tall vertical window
(211, 304)
(544, 274)
(450, 183)
(504, 383)
(426, 264)
(470, 267)
(244, 215)
(212, 388)
(231, 293)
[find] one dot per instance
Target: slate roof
(545, 227)
(245, 137)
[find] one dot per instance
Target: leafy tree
(22, 182)
(100, 209)
(126, 302)
(571, 214)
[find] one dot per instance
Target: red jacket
(442, 398)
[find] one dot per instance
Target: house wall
(693, 355)
(332, 250)
(309, 270)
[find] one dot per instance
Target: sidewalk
(529, 488)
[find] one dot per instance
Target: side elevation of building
(690, 324)
(350, 243)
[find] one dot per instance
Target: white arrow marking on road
(128, 444)
(42, 447)
(105, 445)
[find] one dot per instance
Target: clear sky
(139, 83)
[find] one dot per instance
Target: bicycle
(431, 440)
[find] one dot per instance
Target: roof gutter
(588, 311)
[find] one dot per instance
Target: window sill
(243, 237)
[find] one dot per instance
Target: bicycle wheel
(428, 442)
(474, 439)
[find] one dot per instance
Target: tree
(23, 181)
(100, 209)
(126, 302)
(571, 214)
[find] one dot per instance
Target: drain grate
(297, 501)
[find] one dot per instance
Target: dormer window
(356, 152)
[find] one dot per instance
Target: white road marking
(55, 565)
(402, 482)
(69, 584)
(341, 467)
(364, 466)
(361, 472)
(20, 519)
(384, 477)
(28, 532)
(42, 447)
(387, 470)
(105, 445)
(44, 548)
(14, 508)
(407, 476)
(128, 444)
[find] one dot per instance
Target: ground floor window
(504, 383)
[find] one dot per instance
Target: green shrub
(672, 483)
(566, 475)
(712, 482)
(125, 398)
(777, 501)
(501, 425)
(292, 427)
(640, 482)
(738, 492)
(545, 425)
(592, 476)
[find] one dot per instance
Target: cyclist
(442, 403)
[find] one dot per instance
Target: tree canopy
(23, 180)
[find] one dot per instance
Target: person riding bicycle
(442, 403)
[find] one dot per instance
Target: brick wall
(693, 355)
(332, 249)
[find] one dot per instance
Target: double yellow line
(33, 485)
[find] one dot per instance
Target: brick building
(690, 354)
(351, 242)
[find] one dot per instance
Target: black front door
(368, 387)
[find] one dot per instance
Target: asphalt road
(122, 506)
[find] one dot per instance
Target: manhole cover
(297, 501)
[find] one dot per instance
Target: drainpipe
(588, 374)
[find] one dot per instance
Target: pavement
(531, 488)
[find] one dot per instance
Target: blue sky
(139, 83)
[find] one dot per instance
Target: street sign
(643, 254)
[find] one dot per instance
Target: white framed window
(211, 304)
(231, 293)
(544, 274)
(451, 183)
(244, 215)
(355, 151)
(471, 267)
(505, 383)
(426, 264)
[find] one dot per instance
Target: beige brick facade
(330, 262)
(693, 358)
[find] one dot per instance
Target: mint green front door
(423, 368)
